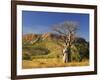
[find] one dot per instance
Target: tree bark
(65, 58)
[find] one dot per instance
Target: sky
(41, 22)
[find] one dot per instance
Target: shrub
(83, 50)
(35, 50)
(39, 51)
(26, 56)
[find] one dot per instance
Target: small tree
(67, 29)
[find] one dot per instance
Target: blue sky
(41, 22)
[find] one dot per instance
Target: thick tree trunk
(65, 58)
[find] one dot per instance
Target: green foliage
(83, 49)
(43, 49)
(49, 48)
(75, 53)
(26, 56)
(34, 51)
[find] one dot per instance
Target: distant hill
(49, 36)
(29, 37)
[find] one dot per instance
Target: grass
(51, 62)
(45, 54)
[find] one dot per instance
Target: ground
(41, 63)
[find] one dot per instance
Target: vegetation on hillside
(42, 50)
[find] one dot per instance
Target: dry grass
(47, 63)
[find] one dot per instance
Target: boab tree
(68, 30)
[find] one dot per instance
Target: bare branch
(67, 29)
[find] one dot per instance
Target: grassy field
(46, 63)
(46, 53)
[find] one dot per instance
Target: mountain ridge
(49, 36)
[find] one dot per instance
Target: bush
(83, 50)
(39, 51)
(26, 56)
(36, 50)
